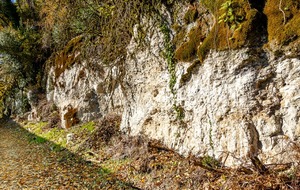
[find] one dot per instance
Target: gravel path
(25, 165)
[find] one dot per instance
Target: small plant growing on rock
(210, 162)
(230, 16)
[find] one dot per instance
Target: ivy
(169, 55)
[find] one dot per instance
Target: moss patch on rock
(188, 75)
(232, 27)
(68, 56)
(188, 50)
(283, 22)
(228, 35)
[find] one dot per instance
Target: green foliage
(169, 55)
(19, 59)
(58, 135)
(37, 139)
(90, 126)
(8, 14)
(57, 148)
(67, 57)
(211, 4)
(104, 172)
(230, 16)
(210, 162)
(106, 28)
(235, 21)
(36, 128)
(22, 57)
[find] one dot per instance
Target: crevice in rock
(259, 32)
(255, 144)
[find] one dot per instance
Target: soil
(25, 165)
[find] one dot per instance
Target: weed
(210, 162)
(90, 126)
(230, 16)
(179, 112)
(37, 139)
(57, 148)
(104, 172)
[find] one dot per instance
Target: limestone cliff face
(84, 92)
(234, 105)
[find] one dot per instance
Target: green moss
(283, 28)
(90, 126)
(207, 44)
(223, 35)
(41, 135)
(35, 128)
(67, 56)
(180, 34)
(188, 50)
(187, 76)
(37, 139)
(212, 5)
(57, 136)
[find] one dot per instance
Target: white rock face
(86, 88)
(236, 104)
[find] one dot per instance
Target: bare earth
(25, 165)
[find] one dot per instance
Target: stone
(236, 104)
(70, 138)
(69, 117)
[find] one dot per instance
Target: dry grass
(148, 164)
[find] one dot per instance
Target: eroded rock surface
(235, 105)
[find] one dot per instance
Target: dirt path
(25, 165)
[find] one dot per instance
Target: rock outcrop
(84, 92)
(235, 105)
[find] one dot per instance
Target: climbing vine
(169, 55)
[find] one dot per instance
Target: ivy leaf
(239, 27)
(222, 16)
(233, 27)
